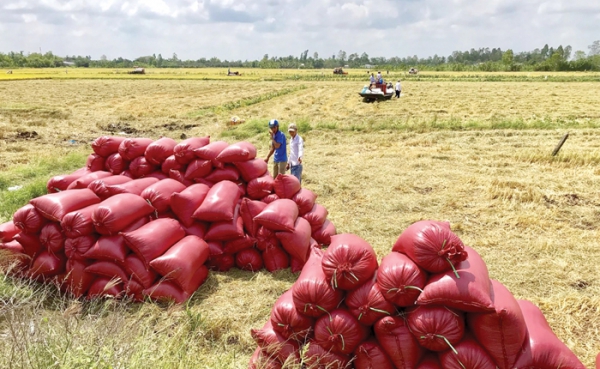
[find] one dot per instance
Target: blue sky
(248, 29)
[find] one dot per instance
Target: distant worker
(398, 89)
(372, 79)
(379, 78)
(296, 152)
(278, 147)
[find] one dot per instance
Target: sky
(249, 29)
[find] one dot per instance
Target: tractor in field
(230, 73)
(137, 70)
(339, 71)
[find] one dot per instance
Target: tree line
(482, 59)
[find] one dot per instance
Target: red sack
(471, 293)
(30, 243)
(61, 183)
(107, 145)
(436, 327)
(94, 163)
(8, 231)
(136, 224)
(221, 263)
(240, 151)
(153, 239)
(400, 279)
(131, 148)
(184, 203)
(286, 186)
(52, 238)
(248, 210)
(178, 176)
(470, 355)
(78, 281)
(296, 242)
(99, 186)
(140, 167)
(260, 187)
(109, 248)
(251, 169)
(249, 259)
(274, 344)
(262, 361)
(318, 357)
(171, 163)
(28, 219)
(219, 203)
(198, 168)
(398, 343)
(598, 361)
(305, 199)
(159, 194)
(324, 234)
(296, 265)
(313, 295)
(105, 287)
(136, 186)
(196, 229)
(79, 222)
(181, 263)
(75, 248)
(116, 164)
(431, 245)
(430, 361)
(215, 248)
(367, 304)
(158, 175)
(108, 269)
(47, 265)
(54, 206)
(159, 150)
(211, 151)
(266, 239)
(136, 269)
(316, 217)
(339, 331)
(542, 349)
(184, 151)
(502, 332)
(227, 173)
(119, 211)
(85, 180)
(226, 230)
(239, 244)
(287, 321)
(275, 258)
(280, 215)
(370, 355)
(349, 261)
(270, 198)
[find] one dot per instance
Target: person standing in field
(398, 89)
(296, 152)
(278, 146)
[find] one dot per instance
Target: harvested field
(477, 154)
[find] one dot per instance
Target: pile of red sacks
(150, 218)
(429, 304)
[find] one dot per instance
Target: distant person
(372, 79)
(278, 147)
(398, 89)
(378, 76)
(296, 152)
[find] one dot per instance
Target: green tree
(508, 57)
(594, 48)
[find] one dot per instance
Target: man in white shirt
(296, 152)
(398, 89)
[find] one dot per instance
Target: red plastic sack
(211, 151)
(431, 245)
(400, 279)
(221, 263)
(226, 230)
(52, 238)
(54, 206)
(239, 244)
(119, 211)
(296, 265)
(116, 164)
(94, 162)
(430, 361)
(286, 186)
(471, 293)
(158, 175)
(61, 183)
(99, 186)
(339, 331)
(249, 259)
(324, 234)
(79, 222)
(598, 361)
(260, 187)
(105, 287)
(248, 210)
(266, 239)
(184, 151)
(367, 303)
(107, 145)
(159, 194)
(542, 349)
(196, 229)
(184, 203)
(153, 239)
(179, 177)
(47, 265)
(305, 199)
(181, 263)
(275, 258)
(398, 343)
(85, 180)
(140, 167)
(78, 281)
(219, 203)
(370, 355)
(136, 186)
(270, 198)
(8, 231)
(131, 148)
(251, 169)
(502, 332)
(470, 356)
(227, 173)
(109, 248)
(312, 292)
(108, 269)
(240, 151)
(280, 215)
(198, 168)
(261, 361)
(287, 321)
(274, 344)
(28, 219)
(318, 357)
(160, 150)
(171, 163)
(75, 248)
(296, 242)
(137, 224)
(349, 261)
(316, 217)
(136, 269)
(435, 327)
(134, 290)
(30, 243)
